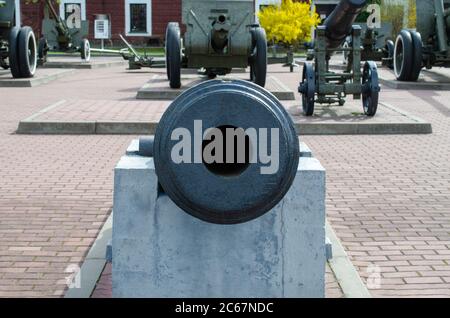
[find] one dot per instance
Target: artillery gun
(58, 36)
(322, 85)
(17, 44)
(371, 50)
(220, 35)
(427, 46)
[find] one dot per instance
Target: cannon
(371, 50)
(427, 46)
(236, 121)
(200, 207)
(220, 35)
(324, 86)
(18, 50)
(58, 36)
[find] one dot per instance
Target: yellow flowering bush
(289, 23)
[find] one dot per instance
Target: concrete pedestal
(161, 251)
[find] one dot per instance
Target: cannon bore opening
(230, 152)
(222, 18)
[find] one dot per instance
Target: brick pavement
(55, 191)
(388, 196)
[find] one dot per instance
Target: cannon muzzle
(339, 24)
(219, 33)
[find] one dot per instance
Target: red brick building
(141, 21)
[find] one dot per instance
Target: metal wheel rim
(398, 57)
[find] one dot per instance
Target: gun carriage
(322, 85)
(220, 35)
(18, 50)
(58, 36)
(427, 46)
(371, 50)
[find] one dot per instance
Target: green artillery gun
(324, 86)
(58, 36)
(371, 50)
(427, 46)
(220, 35)
(17, 44)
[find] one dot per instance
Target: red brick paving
(55, 191)
(388, 196)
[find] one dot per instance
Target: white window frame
(18, 17)
(63, 3)
(259, 3)
(127, 17)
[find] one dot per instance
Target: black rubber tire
(258, 67)
(417, 60)
(308, 89)
(403, 56)
(371, 88)
(27, 52)
(173, 51)
(85, 50)
(14, 64)
(173, 26)
(390, 46)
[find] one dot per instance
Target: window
(17, 19)
(73, 12)
(261, 4)
(138, 17)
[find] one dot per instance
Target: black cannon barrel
(339, 24)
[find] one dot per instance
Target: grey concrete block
(161, 251)
(305, 151)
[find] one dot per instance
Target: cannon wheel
(173, 55)
(417, 55)
(403, 56)
(27, 52)
(13, 52)
(42, 50)
(390, 46)
(85, 50)
(371, 88)
(169, 26)
(258, 64)
(308, 89)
